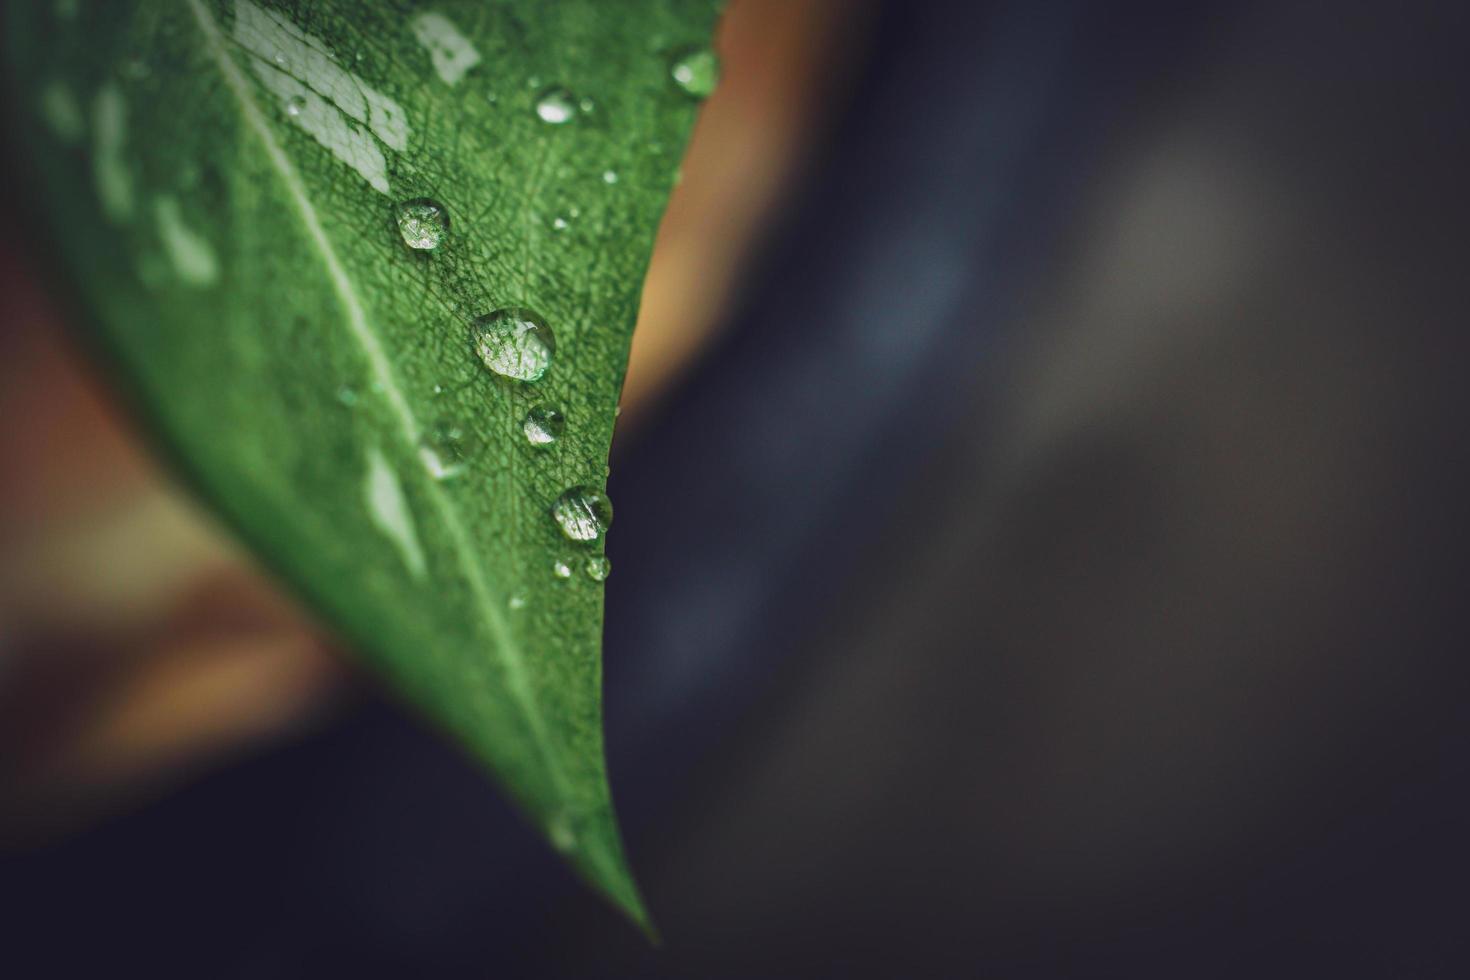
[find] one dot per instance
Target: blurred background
(1040, 551)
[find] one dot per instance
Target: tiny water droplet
(347, 395)
(598, 568)
(295, 106)
(559, 831)
(514, 343)
(543, 426)
(562, 569)
(582, 513)
(560, 223)
(516, 602)
(423, 223)
(437, 467)
(587, 106)
(445, 450)
(556, 106)
(609, 176)
(696, 71)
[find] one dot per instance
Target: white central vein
(382, 372)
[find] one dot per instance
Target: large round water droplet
(696, 71)
(423, 223)
(598, 568)
(582, 513)
(515, 343)
(543, 426)
(556, 106)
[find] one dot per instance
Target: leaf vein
(362, 332)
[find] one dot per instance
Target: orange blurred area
(782, 61)
(137, 642)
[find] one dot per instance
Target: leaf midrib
(361, 330)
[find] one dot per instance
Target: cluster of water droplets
(518, 344)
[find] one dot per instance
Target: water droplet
(423, 223)
(347, 395)
(609, 176)
(587, 106)
(295, 105)
(582, 513)
(556, 106)
(543, 426)
(696, 71)
(562, 569)
(445, 450)
(560, 832)
(560, 223)
(598, 568)
(516, 602)
(515, 343)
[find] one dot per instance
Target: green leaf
(222, 182)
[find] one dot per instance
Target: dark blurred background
(1040, 552)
